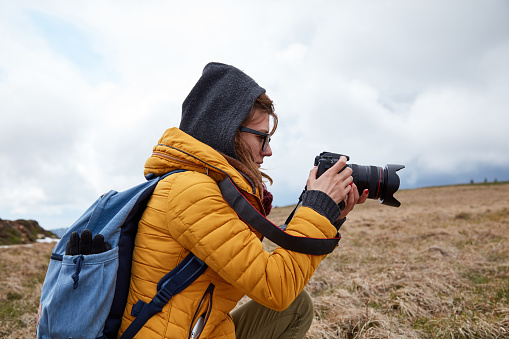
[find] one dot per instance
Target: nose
(267, 152)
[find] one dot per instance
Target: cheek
(253, 143)
(256, 147)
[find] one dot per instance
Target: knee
(304, 306)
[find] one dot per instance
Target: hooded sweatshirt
(187, 213)
(217, 105)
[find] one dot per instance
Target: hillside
(437, 267)
(22, 232)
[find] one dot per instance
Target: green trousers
(253, 320)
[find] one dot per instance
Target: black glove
(85, 242)
(72, 247)
(86, 245)
(99, 245)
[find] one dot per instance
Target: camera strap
(341, 205)
(254, 218)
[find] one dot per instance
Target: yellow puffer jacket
(187, 213)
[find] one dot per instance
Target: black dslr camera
(382, 183)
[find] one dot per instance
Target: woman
(225, 130)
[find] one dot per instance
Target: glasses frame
(266, 136)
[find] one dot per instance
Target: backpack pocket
(77, 295)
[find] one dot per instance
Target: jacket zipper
(178, 160)
(200, 320)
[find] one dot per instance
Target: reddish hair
(264, 104)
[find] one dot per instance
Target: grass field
(437, 267)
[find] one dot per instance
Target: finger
(98, 244)
(338, 166)
(354, 193)
(348, 181)
(348, 189)
(86, 242)
(345, 173)
(312, 173)
(352, 197)
(74, 241)
(363, 197)
(339, 193)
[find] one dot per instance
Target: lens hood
(391, 180)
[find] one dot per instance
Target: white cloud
(423, 83)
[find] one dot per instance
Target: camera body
(326, 160)
(382, 183)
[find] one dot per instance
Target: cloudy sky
(87, 88)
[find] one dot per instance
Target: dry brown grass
(437, 267)
(22, 271)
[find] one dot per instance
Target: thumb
(312, 174)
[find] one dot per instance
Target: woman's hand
(353, 199)
(335, 185)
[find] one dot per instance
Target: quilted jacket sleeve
(201, 221)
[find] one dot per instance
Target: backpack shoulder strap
(126, 245)
(172, 283)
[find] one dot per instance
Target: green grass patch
(502, 292)
(13, 296)
(10, 310)
(478, 277)
(463, 216)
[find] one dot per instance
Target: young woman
(225, 131)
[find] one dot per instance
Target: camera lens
(382, 183)
(367, 177)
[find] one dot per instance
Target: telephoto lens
(382, 183)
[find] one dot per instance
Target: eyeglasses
(266, 136)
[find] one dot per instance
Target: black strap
(341, 205)
(290, 217)
(172, 283)
(251, 216)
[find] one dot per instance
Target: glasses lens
(266, 142)
(266, 136)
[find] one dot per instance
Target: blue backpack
(84, 296)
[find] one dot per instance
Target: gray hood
(217, 105)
